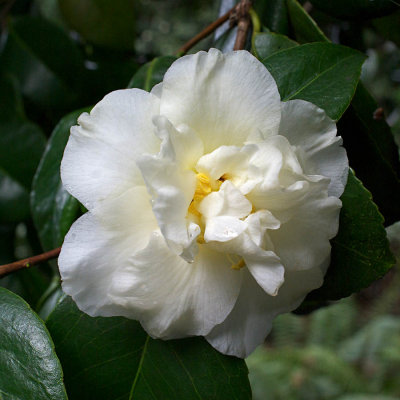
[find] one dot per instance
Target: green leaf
(21, 142)
(356, 9)
(304, 27)
(21, 146)
(10, 98)
(324, 74)
(366, 138)
(53, 208)
(113, 358)
(360, 251)
(14, 200)
(369, 140)
(46, 62)
(102, 22)
(273, 14)
(30, 368)
(265, 44)
(388, 27)
(151, 73)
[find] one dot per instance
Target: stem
(28, 262)
(205, 32)
(243, 24)
(239, 15)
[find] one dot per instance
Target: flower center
(204, 186)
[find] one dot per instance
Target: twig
(205, 32)
(242, 16)
(237, 15)
(28, 262)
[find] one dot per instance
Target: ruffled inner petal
(171, 183)
(313, 134)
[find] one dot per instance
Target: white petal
(173, 298)
(226, 160)
(314, 134)
(223, 97)
(303, 241)
(172, 192)
(223, 229)
(267, 270)
(251, 319)
(228, 201)
(181, 144)
(100, 157)
(98, 242)
(258, 223)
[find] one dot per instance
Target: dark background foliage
(59, 57)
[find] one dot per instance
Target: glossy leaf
(324, 74)
(265, 44)
(113, 358)
(10, 98)
(273, 14)
(28, 364)
(21, 146)
(53, 208)
(366, 137)
(46, 62)
(151, 73)
(356, 9)
(304, 27)
(360, 251)
(14, 200)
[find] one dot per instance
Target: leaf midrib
(312, 80)
(140, 366)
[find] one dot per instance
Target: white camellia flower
(211, 202)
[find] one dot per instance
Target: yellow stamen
(238, 265)
(204, 186)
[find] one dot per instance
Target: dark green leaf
(360, 251)
(21, 146)
(50, 9)
(324, 74)
(265, 44)
(47, 64)
(28, 364)
(21, 142)
(273, 14)
(356, 9)
(14, 200)
(366, 137)
(113, 358)
(151, 73)
(10, 98)
(53, 208)
(388, 27)
(369, 140)
(102, 22)
(304, 27)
